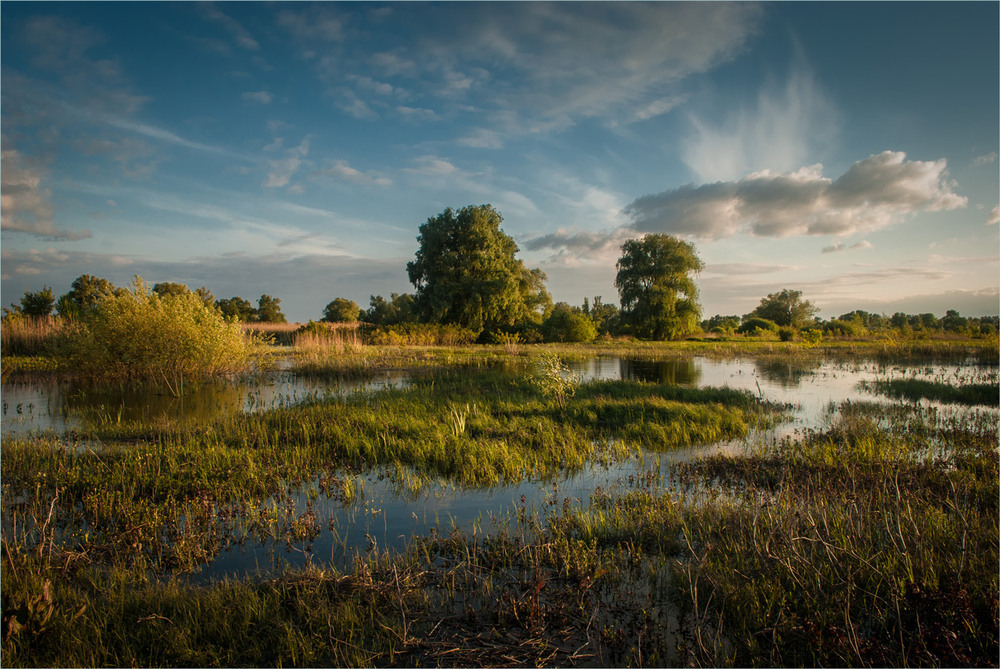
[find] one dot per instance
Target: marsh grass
(24, 336)
(971, 394)
(872, 541)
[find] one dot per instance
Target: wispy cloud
(234, 27)
(282, 170)
(840, 246)
(787, 125)
(986, 159)
(25, 205)
(163, 135)
(994, 216)
(260, 97)
(341, 170)
(873, 193)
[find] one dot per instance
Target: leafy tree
(206, 296)
(237, 308)
(168, 288)
(537, 300)
(400, 308)
(952, 321)
(85, 292)
(604, 316)
(658, 296)
(786, 308)
(38, 304)
(466, 273)
(341, 310)
(269, 310)
(720, 323)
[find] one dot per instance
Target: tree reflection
(679, 372)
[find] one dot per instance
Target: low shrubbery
(137, 335)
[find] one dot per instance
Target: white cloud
(261, 97)
(432, 166)
(482, 139)
(987, 159)
(341, 170)
(282, 170)
(572, 246)
(840, 246)
(787, 126)
(994, 217)
(25, 205)
(873, 193)
(240, 34)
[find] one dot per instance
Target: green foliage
(400, 308)
(553, 379)
(605, 317)
(658, 296)
(238, 309)
(568, 324)
(722, 324)
(786, 308)
(39, 303)
(757, 326)
(85, 292)
(341, 310)
(812, 335)
(786, 333)
(169, 288)
(420, 334)
(136, 334)
(466, 273)
(269, 310)
(841, 328)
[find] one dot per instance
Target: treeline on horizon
(469, 282)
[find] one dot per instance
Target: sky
(846, 150)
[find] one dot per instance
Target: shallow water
(390, 510)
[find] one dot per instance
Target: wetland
(571, 505)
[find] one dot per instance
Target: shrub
(757, 326)
(554, 379)
(843, 328)
(565, 325)
(786, 333)
(135, 334)
(421, 334)
(812, 335)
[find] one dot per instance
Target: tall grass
(22, 336)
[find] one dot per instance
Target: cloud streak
(25, 205)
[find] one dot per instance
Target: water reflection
(679, 371)
(48, 404)
(787, 373)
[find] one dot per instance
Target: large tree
(786, 308)
(341, 310)
(85, 292)
(466, 273)
(658, 295)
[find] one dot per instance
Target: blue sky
(847, 150)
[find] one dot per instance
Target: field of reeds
(871, 541)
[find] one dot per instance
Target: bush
(756, 326)
(844, 328)
(565, 325)
(420, 334)
(812, 335)
(138, 335)
(786, 333)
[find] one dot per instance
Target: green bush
(565, 325)
(812, 335)
(756, 326)
(138, 335)
(786, 333)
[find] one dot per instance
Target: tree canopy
(786, 308)
(659, 298)
(85, 292)
(341, 310)
(466, 273)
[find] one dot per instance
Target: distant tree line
(469, 282)
(87, 291)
